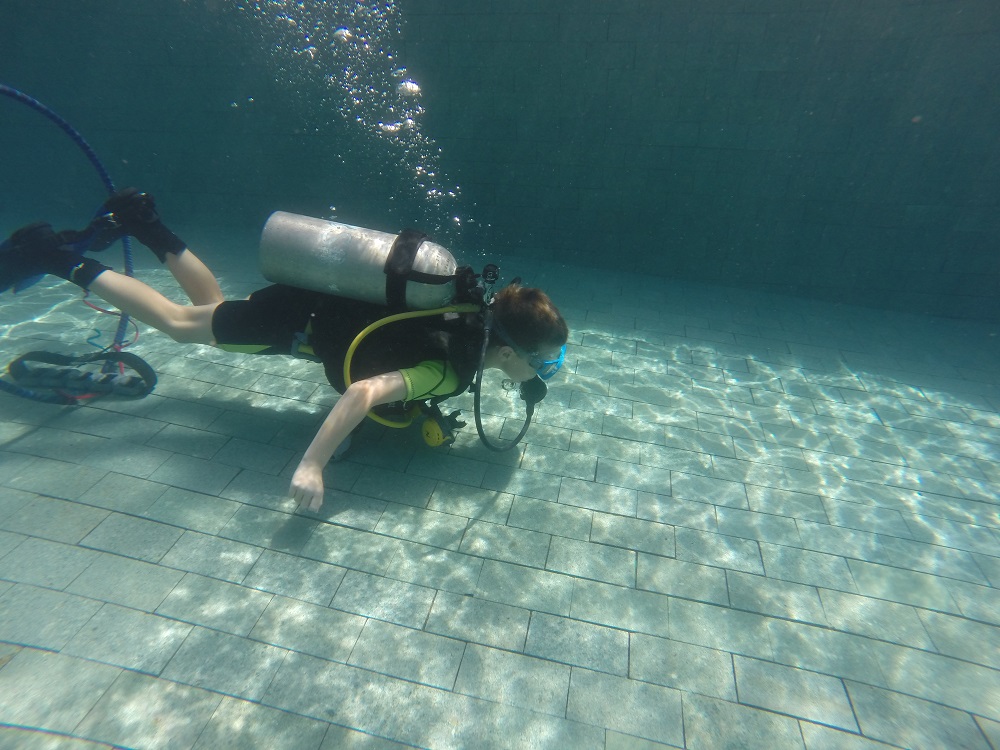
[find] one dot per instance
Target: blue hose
(108, 183)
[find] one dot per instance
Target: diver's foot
(36, 250)
(132, 212)
(21, 255)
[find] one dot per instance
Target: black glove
(134, 213)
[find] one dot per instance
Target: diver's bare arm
(347, 413)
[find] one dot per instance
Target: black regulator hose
(531, 392)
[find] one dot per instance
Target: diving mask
(545, 368)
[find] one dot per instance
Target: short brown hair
(530, 318)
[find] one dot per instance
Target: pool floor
(740, 520)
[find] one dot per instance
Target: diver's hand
(307, 486)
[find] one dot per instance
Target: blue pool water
(760, 506)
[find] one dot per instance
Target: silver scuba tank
(326, 256)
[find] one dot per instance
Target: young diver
(413, 360)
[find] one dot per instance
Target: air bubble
(342, 59)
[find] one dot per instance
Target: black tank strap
(399, 268)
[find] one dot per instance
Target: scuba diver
(419, 358)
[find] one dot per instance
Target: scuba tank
(404, 272)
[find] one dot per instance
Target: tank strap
(399, 268)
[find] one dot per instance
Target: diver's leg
(188, 324)
(37, 250)
(132, 212)
(195, 278)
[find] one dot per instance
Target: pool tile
(763, 527)
(597, 496)
(211, 556)
(425, 526)
(683, 666)
(172, 714)
(41, 617)
(384, 599)
(720, 628)
(478, 621)
(875, 618)
(630, 477)
(224, 663)
(962, 638)
(124, 581)
(797, 692)
(787, 503)
(807, 567)
(394, 487)
(633, 534)
(447, 467)
(132, 537)
(496, 542)
(190, 510)
(307, 628)
(9, 541)
(631, 707)
(262, 527)
(514, 680)
(684, 579)
(188, 441)
(263, 490)
(410, 654)
(129, 639)
(620, 607)
(589, 560)
(243, 724)
(521, 586)
(43, 563)
(903, 586)
(45, 689)
(12, 500)
(577, 643)
(729, 552)
(263, 458)
(350, 548)
(121, 492)
(534, 484)
(826, 651)
(562, 463)
(897, 718)
(940, 679)
(720, 724)
(437, 568)
(677, 512)
(774, 597)
(51, 518)
(709, 490)
(294, 577)
(479, 504)
(551, 517)
(214, 604)
(195, 474)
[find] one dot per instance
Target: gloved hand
(132, 212)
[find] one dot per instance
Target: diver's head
(528, 336)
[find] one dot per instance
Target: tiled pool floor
(741, 520)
